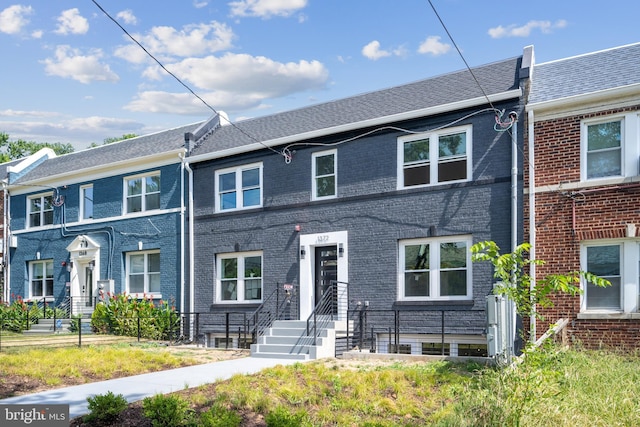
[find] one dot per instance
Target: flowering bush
(14, 316)
(122, 314)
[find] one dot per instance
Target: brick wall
(565, 218)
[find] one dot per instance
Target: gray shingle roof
(129, 149)
(449, 88)
(495, 78)
(584, 74)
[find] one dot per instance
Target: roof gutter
(380, 121)
(568, 101)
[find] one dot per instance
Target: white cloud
(242, 73)
(13, 18)
(373, 51)
(127, 17)
(166, 42)
(200, 4)
(80, 132)
(187, 104)
(266, 8)
(71, 22)
(545, 27)
(232, 82)
(432, 45)
(21, 113)
(37, 34)
(70, 63)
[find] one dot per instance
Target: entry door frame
(308, 243)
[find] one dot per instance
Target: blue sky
(71, 75)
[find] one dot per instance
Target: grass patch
(56, 366)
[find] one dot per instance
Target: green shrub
(220, 416)
(167, 411)
(14, 317)
(122, 314)
(105, 407)
(282, 417)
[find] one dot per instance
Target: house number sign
(322, 239)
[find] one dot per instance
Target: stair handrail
(65, 306)
(261, 322)
(323, 308)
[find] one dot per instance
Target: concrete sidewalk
(140, 386)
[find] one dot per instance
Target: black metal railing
(323, 312)
(380, 330)
(281, 304)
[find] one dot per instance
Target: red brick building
(582, 190)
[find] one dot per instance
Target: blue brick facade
(114, 235)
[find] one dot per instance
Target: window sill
(145, 296)
(434, 304)
(608, 315)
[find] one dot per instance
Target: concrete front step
(46, 326)
(280, 356)
(289, 339)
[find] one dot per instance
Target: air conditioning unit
(13, 241)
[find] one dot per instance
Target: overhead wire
(178, 79)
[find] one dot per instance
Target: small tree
(515, 282)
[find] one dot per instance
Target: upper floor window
(604, 150)
(86, 202)
(239, 277)
(239, 188)
(142, 193)
(40, 210)
(143, 272)
(434, 157)
(324, 174)
(41, 278)
(435, 269)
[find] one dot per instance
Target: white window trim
(314, 186)
(434, 160)
(41, 197)
(81, 216)
(629, 272)
(31, 278)
(434, 271)
(239, 200)
(629, 150)
(154, 295)
(125, 196)
(240, 280)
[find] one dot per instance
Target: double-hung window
(604, 148)
(143, 272)
(40, 210)
(432, 158)
(86, 202)
(435, 269)
(239, 277)
(142, 193)
(604, 261)
(41, 278)
(239, 188)
(610, 147)
(324, 174)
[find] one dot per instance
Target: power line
(178, 80)
(461, 56)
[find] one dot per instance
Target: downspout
(514, 225)
(182, 207)
(5, 246)
(532, 222)
(190, 251)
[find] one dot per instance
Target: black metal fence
(380, 331)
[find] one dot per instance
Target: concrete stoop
(46, 326)
(288, 339)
